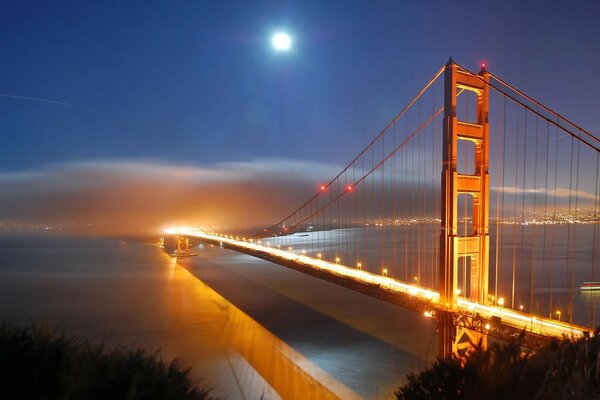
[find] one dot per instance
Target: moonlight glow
(281, 41)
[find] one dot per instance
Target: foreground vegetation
(36, 363)
(562, 370)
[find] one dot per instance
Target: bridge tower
(473, 246)
(183, 245)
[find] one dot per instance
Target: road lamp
(559, 315)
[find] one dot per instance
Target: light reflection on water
(247, 326)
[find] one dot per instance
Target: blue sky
(198, 82)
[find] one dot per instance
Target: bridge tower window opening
(465, 151)
(465, 214)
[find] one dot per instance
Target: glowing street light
(319, 256)
(281, 41)
(559, 314)
(337, 260)
(501, 301)
(359, 265)
(385, 272)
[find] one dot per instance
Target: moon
(281, 41)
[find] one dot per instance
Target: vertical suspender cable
(553, 245)
(533, 240)
(465, 201)
(405, 201)
(499, 188)
(419, 200)
(522, 249)
(514, 233)
(433, 196)
(394, 216)
(382, 206)
(569, 273)
(595, 236)
(546, 205)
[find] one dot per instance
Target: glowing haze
(142, 197)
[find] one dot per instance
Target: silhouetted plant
(37, 363)
(561, 370)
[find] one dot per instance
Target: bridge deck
(495, 321)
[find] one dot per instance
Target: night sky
(198, 82)
(185, 91)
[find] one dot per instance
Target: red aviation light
(323, 187)
(349, 187)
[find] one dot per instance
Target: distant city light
(281, 41)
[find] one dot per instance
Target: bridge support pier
(473, 246)
(446, 334)
(183, 246)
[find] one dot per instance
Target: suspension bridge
(476, 205)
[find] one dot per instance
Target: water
(248, 327)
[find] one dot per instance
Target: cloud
(560, 193)
(132, 197)
(143, 196)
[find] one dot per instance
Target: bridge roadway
(494, 321)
